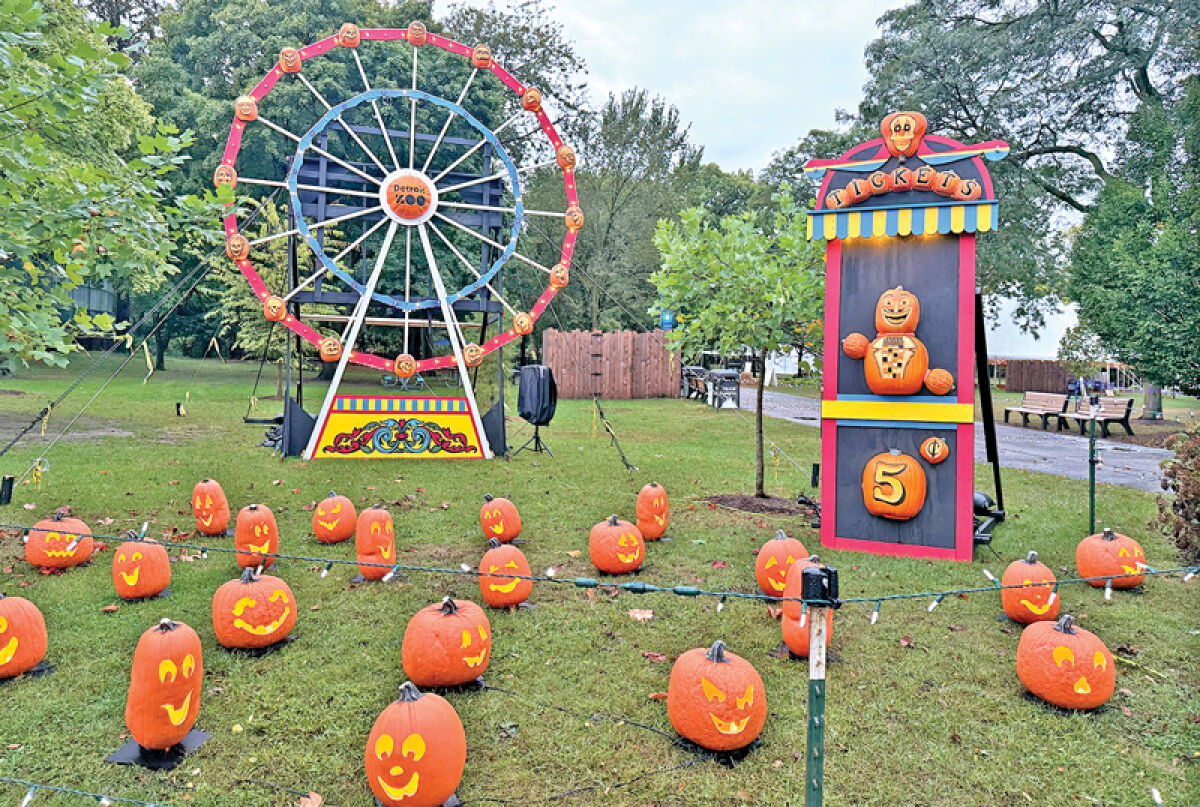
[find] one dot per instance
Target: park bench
(1044, 404)
(1108, 410)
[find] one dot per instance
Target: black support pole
(985, 398)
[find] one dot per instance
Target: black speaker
(537, 397)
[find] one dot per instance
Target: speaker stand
(539, 445)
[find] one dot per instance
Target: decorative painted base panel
(377, 427)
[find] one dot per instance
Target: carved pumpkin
(481, 57)
(499, 518)
(574, 217)
(140, 569)
(237, 247)
(1111, 555)
(968, 190)
(274, 308)
(903, 132)
(418, 35)
(902, 179)
(897, 311)
(446, 644)
(374, 542)
(880, 183)
(924, 177)
(245, 107)
(255, 533)
(349, 36)
(416, 751)
(22, 636)
(565, 155)
(896, 364)
(1065, 665)
(497, 589)
(837, 199)
(210, 507)
(560, 276)
(792, 607)
(253, 612)
(796, 635)
(289, 60)
(225, 175)
(1035, 604)
(164, 685)
(716, 699)
(405, 365)
(946, 183)
(616, 546)
(329, 349)
(857, 190)
(775, 559)
(472, 355)
(653, 511)
(59, 542)
(522, 323)
(893, 486)
(934, 450)
(334, 520)
(531, 99)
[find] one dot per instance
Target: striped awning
(951, 217)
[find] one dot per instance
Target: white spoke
(471, 268)
(321, 188)
(487, 240)
(446, 125)
(412, 116)
(318, 225)
(320, 151)
(359, 240)
(345, 125)
(476, 147)
(407, 280)
(497, 175)
(378, 116)
(494, 209)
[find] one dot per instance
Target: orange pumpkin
(349, 36)
(253, 612)
(924, 177)
(22, 636)
(560, 275)
(857, 190)
(902, 179)
(616, 546)
(164, 685)
(774, 560)
(837, 199)
(335, 519)
(237, 247)
(1034, 604)
(880, 183)
(481, 57)
(934, 450)
(210, 507)
(653, 511)
(897, 311)
(574, 217)
(893, 486)
(329, 349)
(1065, 665)
(968, 190)
(796, 636)
(499, 518)
(446, 644)
(1111, 555)
(565, 155)
(495, 586)
(792, 607)
(418, 34)
(856, 345)
(289, 60)
(374, 542)
(140, 569)
(896, 364)
(531, 99)
(903, 132)
(939, 381)
(716, 699)
(59, 542)
(946, 183)
(254, 534)
(274, 308)
(416, 751)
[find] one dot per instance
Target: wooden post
(815, 594)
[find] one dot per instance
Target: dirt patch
(11, 392)
(11, 424)
(773, 505)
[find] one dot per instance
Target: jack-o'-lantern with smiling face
(349, 36)
(560, 276)
(416, 751)
(1036, 603)
(653, 511)
(903, 132)
(1065, 665)
(472, 355)
(531, 99)
(334, 519)
(774, 562)
(289, 60)
(418, 34)
(210, 507)
(246, 108)
(447, 644)
(237, 247)
(1113, 556)
(404, 365)
(253, 612)
(574, 217)
(164, 686)
(616, 546)
(896, 361)
(499, 518)
(481, 57)
(254, 534)
(274, 308)
(59, 542)
(716, 699)
(23, 636)
(522, 324)
(496, 585)
(329, 349)
(140, 569)
(225, 175)
(375, 543)
(565, 155)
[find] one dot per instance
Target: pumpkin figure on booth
(893, 486)
(497, 589)
(210, 507)
(1111, 555)
(334, 519)
(140, 569)
(1038, 603)
(616, 546)
(653, 511)
(774, 562)
(1065, 665)
(499, 518)
(716, 699)
(164, 685)
(59, 542)
(446, 644)
(255, 533)
(253, 612)
(896, 361)
(374, 543)
(23, 636)
(416, 751)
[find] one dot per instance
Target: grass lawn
(923, 708)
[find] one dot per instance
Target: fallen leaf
(575, 553)
(641, 614)
(1129, 694)
(8, 570)
(774, 613)
(445, 505)
(652, 656)
(295, 490)
(110, 609)
(311, 800)
(958, 627)
(954, 738)
(1126, 649)
(711, 506)
(173, 482)
(29, 505)
(720, 564)
(906, 641)
(105, 521)
(314, 608)
(658, 696)
(309, 506)
(1126, 711)
(276, 481)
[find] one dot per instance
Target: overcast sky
(752, 76)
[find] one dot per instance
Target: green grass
(941, 722)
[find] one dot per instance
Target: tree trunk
(759, 489)
(594, 308)
(279, 380)
(328, 368)
(1152, 410)
(161, 340)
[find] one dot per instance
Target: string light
(1108, 590)
(936, 601)
(875, 611)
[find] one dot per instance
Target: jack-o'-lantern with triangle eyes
(1065, 665)
(416, 751)
(616, 546)
(210, 507)
(289, 60)
(418, 34)
(531, 99)
(653, 511)
(896, 362)
(335, 519)
(903, 132)
(274, 308)
(481, 57)
(23, 636)
(1037, 603)
(140, 569)
(164, 685)
(774, 561)
(349, 36)
(59, 542)
(893, 486)
(499, 518)
(375, 543)
(446, 644)
(716, 699)
(1111, 555)
(255, 533)
(495, 586)
(329, 349)
(253, 612)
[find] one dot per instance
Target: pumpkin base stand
(133, 754)
(37, 671)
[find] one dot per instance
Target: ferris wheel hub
(409, 197)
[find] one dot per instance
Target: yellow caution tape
(46, 419)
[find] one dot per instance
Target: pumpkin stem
(813, 559)
(780, 535)
(487, 497)
(59, 514)
(1065, 624)
(252, 508)
(1109, 535)
(716, 653)
(449, 606)
(409, 692)
(248, 575)
(895, 452)
(612, 520)
(1031, 558)
(166, 625)
(332, 493)
(493, 543)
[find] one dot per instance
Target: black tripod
(539, 445)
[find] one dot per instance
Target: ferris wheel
(391, 214)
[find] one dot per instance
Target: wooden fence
(1023, 375)
(619, 366)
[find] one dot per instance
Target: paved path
(1030, 449)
